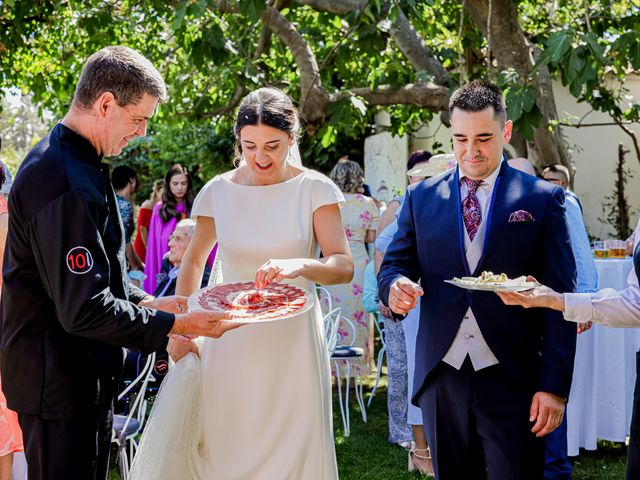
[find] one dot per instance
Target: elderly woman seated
(178, 243)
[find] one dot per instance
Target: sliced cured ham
(274, 301)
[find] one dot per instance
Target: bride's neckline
(227, 176)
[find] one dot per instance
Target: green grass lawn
(366, 454)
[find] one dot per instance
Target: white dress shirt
(469, 339)
(607, 306)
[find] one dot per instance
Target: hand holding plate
(541, 296)
(204, 323)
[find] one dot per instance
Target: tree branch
(512, 49)
(227, 6)
(633, 136)
(313, 99)
(430, 96)
(598, 124)
(238, 94)
(341, 7)
(416, 50)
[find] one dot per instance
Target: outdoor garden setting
(319, 239)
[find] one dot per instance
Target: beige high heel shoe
(422, 454)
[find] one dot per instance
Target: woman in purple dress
(177, 198)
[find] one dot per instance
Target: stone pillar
(385, 165)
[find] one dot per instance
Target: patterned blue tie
(636, 260)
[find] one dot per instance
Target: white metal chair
(324, 297)
(331, 325)
(346, 354)
(379, 322)
(127, 427)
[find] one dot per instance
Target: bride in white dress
(265, 410)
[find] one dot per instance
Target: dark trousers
(633, 453)
(67, 449)
(556, 463)
(477, 425)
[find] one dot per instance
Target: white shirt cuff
(577, 307)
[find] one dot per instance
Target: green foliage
(522, 110)
(206, 149)
(20, 128)
(593, 63)
(206, 54)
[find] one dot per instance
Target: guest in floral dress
(360, 219)
(10, 433)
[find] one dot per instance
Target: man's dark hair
(561, 169)
(122, 71)
(3, 176)
(121, 176)
(478, 95)
(419, 156)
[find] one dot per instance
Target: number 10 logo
(79, 260)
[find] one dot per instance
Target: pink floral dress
(358, 215)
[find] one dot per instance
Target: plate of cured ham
(276, 301)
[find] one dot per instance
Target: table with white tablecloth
(601, 399)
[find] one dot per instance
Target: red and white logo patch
(79, 260)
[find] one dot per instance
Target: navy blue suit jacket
(537, 346)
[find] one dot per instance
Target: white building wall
(594, 154)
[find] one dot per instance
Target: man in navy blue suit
(491, 380)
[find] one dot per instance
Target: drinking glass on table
(617, 249)
(600, 249)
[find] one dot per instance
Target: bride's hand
(178, 348)
(276, 270)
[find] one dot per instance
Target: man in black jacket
(67, 306)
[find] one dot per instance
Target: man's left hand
(171, 304)
(547, 411)
(384, 310)
(583, 327)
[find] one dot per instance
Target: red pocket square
(521, 216)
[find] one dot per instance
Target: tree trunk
(511, 48)
(622, 220)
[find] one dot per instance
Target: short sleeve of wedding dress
(324, 191)
(203, 205)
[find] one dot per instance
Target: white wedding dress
(265, 410)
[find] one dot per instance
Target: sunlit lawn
(366, 454)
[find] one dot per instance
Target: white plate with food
(246, 304)
(490, 282)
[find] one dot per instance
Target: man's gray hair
(189, 226)
(122, 71)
